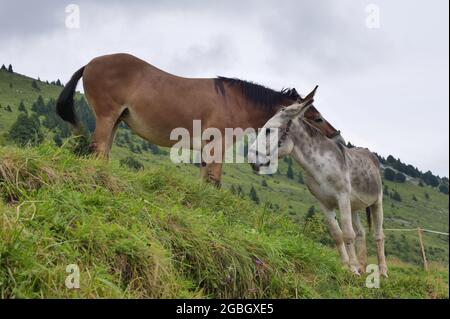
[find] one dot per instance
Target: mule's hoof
(362, 269)
(384, 271)
(355, 270)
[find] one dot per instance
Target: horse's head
(273, 140)
(313, 117)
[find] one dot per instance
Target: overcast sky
(383, 83)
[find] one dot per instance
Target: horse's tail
(65, 103)
(369, 218)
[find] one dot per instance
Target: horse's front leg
(211, 173)
(348, 233)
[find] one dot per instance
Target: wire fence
(420, 232)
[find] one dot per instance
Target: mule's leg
(336, 233)
(360, 242)
(377, 213)
(348, 233)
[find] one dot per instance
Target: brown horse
(121, 87)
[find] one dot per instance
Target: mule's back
(364, 173)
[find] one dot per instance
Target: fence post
(422, 248)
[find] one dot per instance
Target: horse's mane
(257, 93)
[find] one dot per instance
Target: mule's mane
(257, 93)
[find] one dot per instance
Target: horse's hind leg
(360, 242)
(106, 124)
(377, 213)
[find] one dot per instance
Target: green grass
(160, 233)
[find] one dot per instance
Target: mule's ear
(310, 96)
(293, 110)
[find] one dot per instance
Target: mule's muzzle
(256, 167)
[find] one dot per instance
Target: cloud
(386, 88)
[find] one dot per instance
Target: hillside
(159, 233)
(419, 206)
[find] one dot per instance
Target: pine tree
(253, 195)
(310, 214)
(290, 172)
(10, 69)
(22, 107)
(26, 130)
(389, 174)
(3, 67)
(35, 86)
(301, 180)
(264, 183)
(239, 190)
(396, 196)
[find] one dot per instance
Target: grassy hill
(159, 233)
(284, 204)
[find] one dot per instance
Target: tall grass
(159, 234)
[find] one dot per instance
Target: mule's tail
(65, 103)
(369, 218)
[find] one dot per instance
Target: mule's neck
(310, 147)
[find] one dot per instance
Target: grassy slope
(161, 233)
(292, 197)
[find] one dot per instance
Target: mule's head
(273, 140)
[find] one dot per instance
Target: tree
(253, 195)
(301, 180)
(389, 174)
(396, 196)
(430, 179)
(10, 69)
(8, 108)
(26, 130)
(22, 107)
(427, 196)
(399, 177)
(35, 86)
(391, 160)
(264, 183)
(443, 188)
(239, 190)
(3, 67)
(414, 198)
(310, 214)
(290, 172)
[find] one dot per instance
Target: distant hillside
(417, 202)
